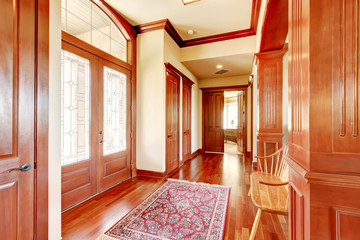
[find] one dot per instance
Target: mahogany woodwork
(18, 78)
(177, 72)
(213, 121)
(169, 28)
(115, 167)
(275, 26)
(222, 89)
(323, 139)
(172, 121)
(42, 120)
(146, 173)
(90, 219)
(241, 134)
(270, 74)
(186, 122)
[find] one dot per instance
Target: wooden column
(324, 141)
(270, 80)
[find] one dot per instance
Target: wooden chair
(269, 186)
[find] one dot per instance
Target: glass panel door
(114, 123)
(79, 77)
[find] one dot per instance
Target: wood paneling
(324, 144)
(186, 129)
(270, 74)
(172, 122)
(17, 118)
(241, 134)
(275, 26)
(214, 121)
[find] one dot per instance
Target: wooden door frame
(175, 75)
(41, 177)
(185, 83)
(223, 89)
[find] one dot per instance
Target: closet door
(186, 147)
(214, 121)
(114, 124)
(172, 122)
(78, 124)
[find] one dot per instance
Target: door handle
(24, 168)
(169, 136)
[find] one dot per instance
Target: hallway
(95, 216)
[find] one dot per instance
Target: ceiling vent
(222, 71)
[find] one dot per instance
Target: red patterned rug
(177, 210)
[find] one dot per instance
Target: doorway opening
(234, 122)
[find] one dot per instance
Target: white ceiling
(205, 17)
(240, 64)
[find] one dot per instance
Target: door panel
(172, 122)
(186, 147)
(79, 119)
(213, 122)
(17, 81)
(114, 123)
(241, 123)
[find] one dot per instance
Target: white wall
(151, 93)
(224, 81)
(54, 121)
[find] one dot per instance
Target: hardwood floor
(95, 216)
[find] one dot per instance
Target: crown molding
(169, 28)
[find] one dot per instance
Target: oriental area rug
(177, 210)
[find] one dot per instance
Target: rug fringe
(201, 183)
(106, 237)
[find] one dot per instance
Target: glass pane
(75, 108)
(114, 111)
(84, 20)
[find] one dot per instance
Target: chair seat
(269, 198)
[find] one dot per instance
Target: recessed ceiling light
(219, 66)
(191, 32)
(186, 2)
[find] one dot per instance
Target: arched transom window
(84, 20)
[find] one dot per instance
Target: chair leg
(255, 225)
(249, 193)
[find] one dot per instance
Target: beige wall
(172, 54)
(219, 49)
(150, 112)
(154, 49)
(224, 81)
(54, 121)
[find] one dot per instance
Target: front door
(213, 121)
(172, 122)
(114, 124)
(17, 119)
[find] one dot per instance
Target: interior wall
(172, 54)
(248, 119)
(54, 120)
(150, 98)
(285, 97)
(224, 81)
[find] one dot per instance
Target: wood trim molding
(152, 174)
(41, 224)
(225, 88)
(170, 68)
(169, 28)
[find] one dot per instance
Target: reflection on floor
(93, 217)
(231, 148)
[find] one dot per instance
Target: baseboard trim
(153, 174)
(254, 165)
